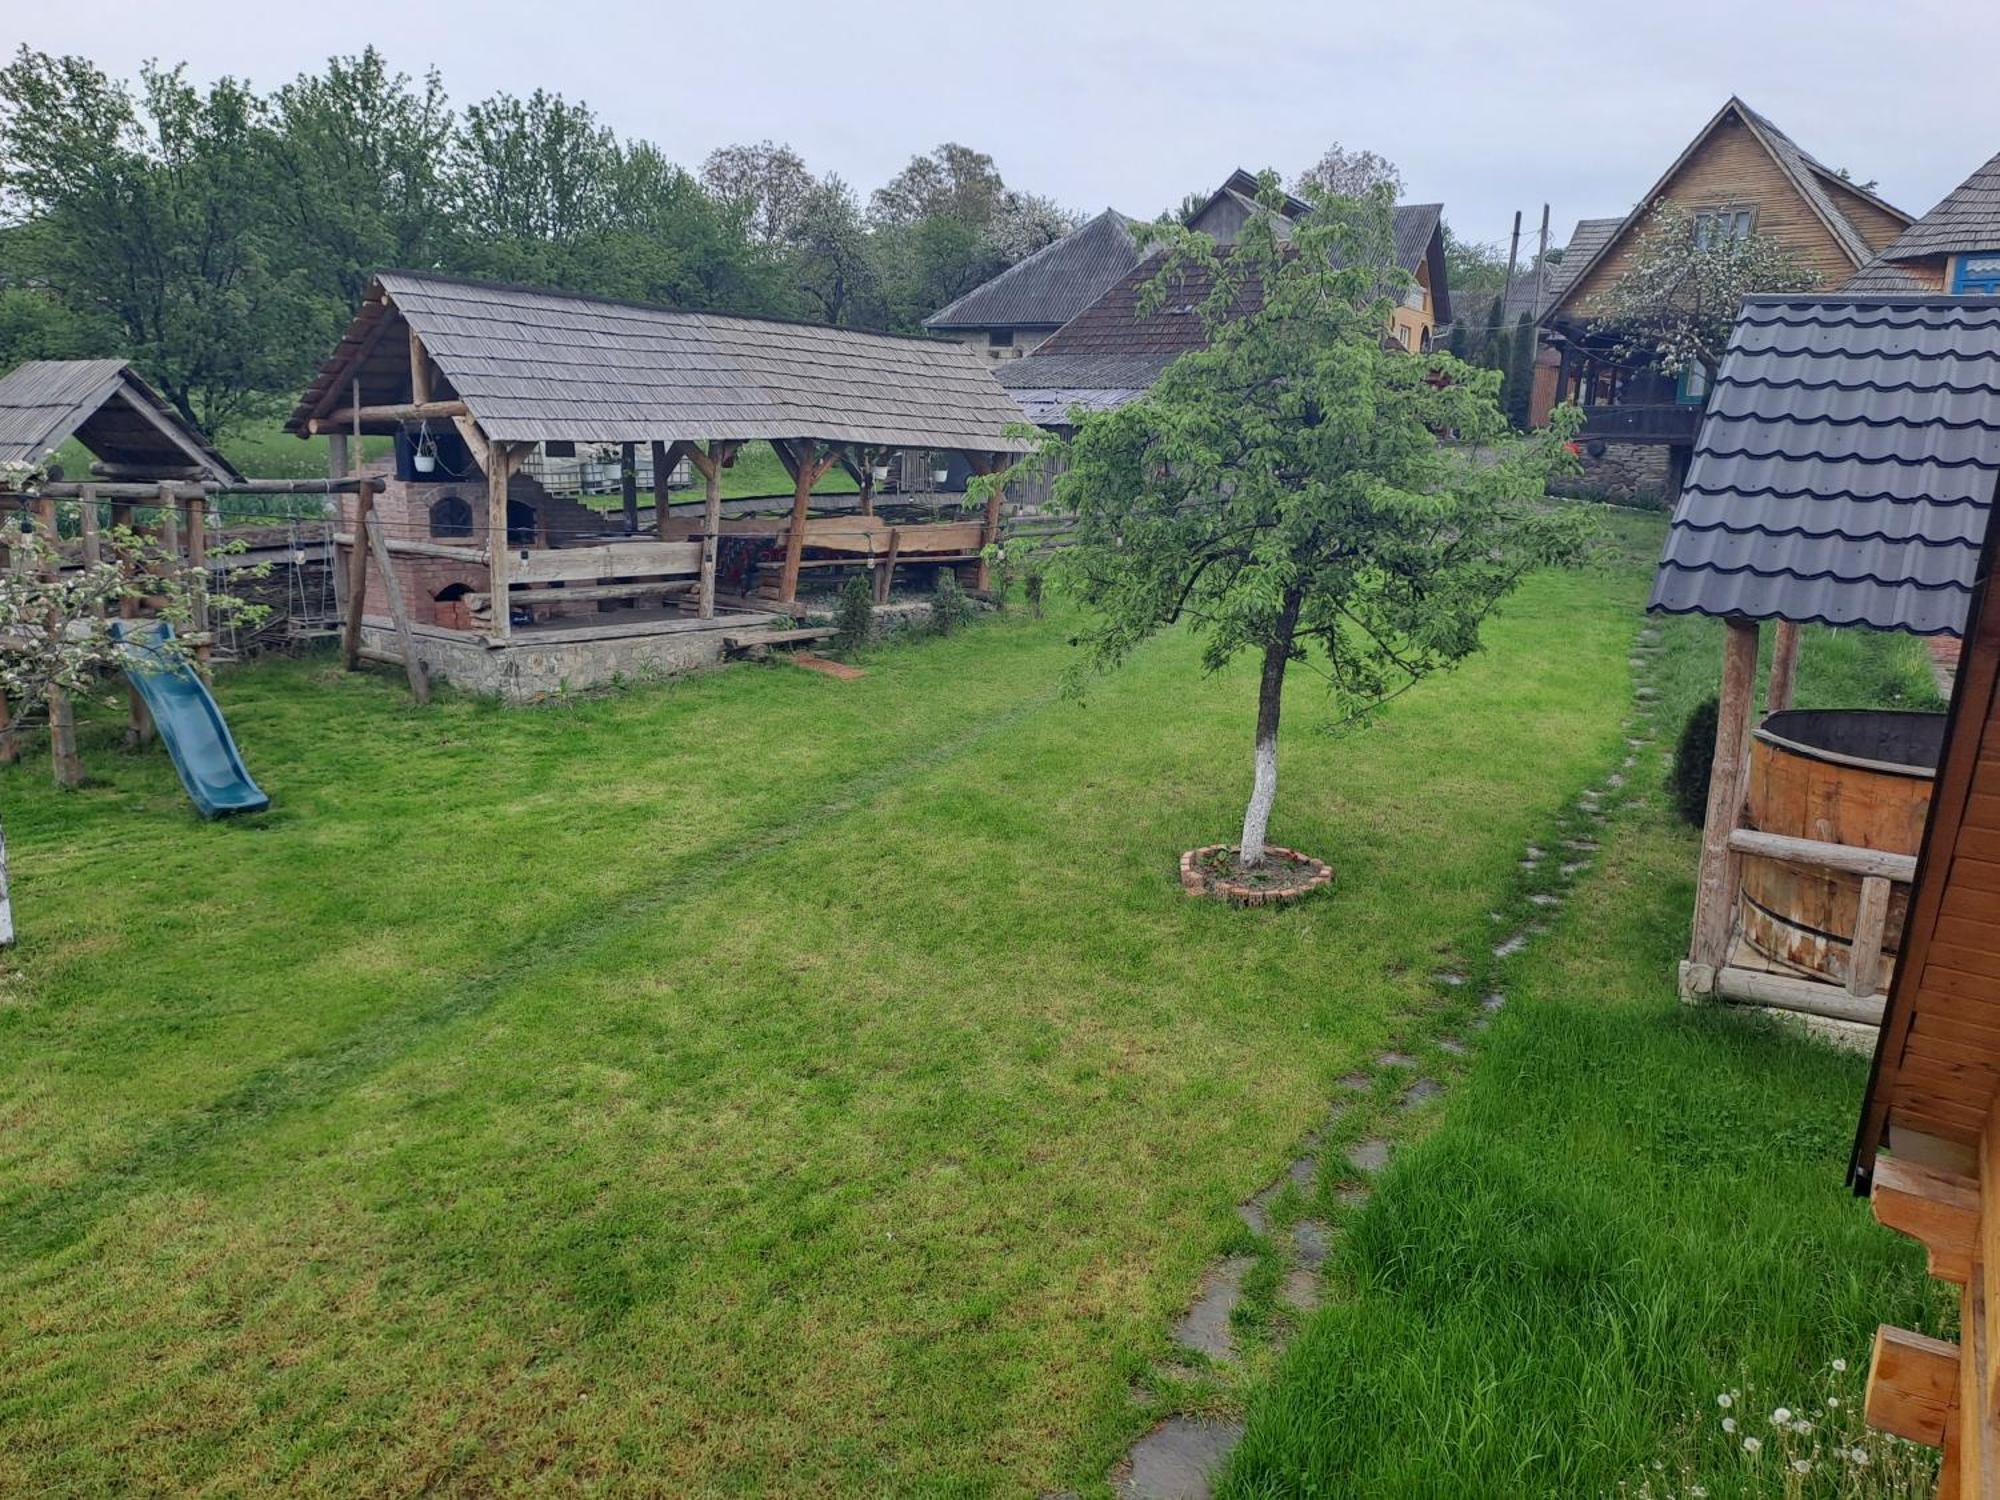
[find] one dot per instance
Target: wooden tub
(1841, 776)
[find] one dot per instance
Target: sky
(1488, 107)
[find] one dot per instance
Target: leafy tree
(1283, 490)
(1341, 173)
(1493, 337)
(1677, 299)
(1457, 344)
(1473, 268)
(147, 216)
(952, 182)
(768, 185)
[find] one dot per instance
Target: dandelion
(1725, 1401)
(1781, 1417)
(1729, 1424)
(1859, 1457)
(1753, 1446)
(1697, 1492)
(1801, 1466)
(1833, 1401)
(1840, 1367)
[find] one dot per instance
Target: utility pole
(1513, 255)
(1542, 264)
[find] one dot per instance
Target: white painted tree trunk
(1270, 699)
(6, 896)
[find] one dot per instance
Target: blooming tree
(1285, 490)
(1687, 276)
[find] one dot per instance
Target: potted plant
(939, 473)
(424, 458)
(881, 473)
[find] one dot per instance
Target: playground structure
(455, 561)
(152, 475)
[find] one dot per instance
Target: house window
(451, 517)
(1692, 387)
(1978, 274)
(1000, 338)
(1413, 297)
(1712, 226)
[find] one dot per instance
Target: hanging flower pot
(425, 462)
(940, 475)
(423, 457)
(881, 473)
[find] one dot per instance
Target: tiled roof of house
(1051, 286)
(1968, 218)
(105, 406)
(533, 364)
(1845, 467)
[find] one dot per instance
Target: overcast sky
(1487, 106)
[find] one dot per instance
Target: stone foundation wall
(1631, 473)
(526, 670)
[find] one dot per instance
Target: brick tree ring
(1205, 872)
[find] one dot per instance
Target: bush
(1694, 754)
(854, 615)
(949, 606)
(1031, 586)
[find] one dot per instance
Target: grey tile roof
(1881, 275)
(1589, 237)
(1846, 465)
(105, 406)
(533, 364)
(1050, 407)
(1051, 286)
(1967, 218)
(1807, 173)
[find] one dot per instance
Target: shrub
(1031, 587)
(949, 606)
(854, 615)
(1687, 778)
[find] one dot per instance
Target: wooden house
(464, 561)
(1739, 175)
(1009, 316)
(1953, 248)
(1927, 1150)
(1110, 353)
(1843, 475)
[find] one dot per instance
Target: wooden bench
(757, 644)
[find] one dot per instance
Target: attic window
(1713, 226)
(1977, 274)
(999, 338)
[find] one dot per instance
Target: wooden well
(1837, 776)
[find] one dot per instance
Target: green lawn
(1627, 1208)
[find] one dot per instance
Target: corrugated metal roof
(1845, 466)
(105, 406)
(1051, 286)
(533, 364)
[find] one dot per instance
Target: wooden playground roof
(1845, 468)
(532, 365)
(105, 406)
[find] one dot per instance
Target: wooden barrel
(1841, 776)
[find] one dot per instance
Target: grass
(758, 1084)
(1627, 1207)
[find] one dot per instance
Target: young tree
(1521, 371)
(1284, 489)
(1341, 173)
(1688, 275)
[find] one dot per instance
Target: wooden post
(357, 580)
(420, 682)
(420, 370)
(62, 720)
(336, 468)
(663, 465)
(1784, 667)
(499, 468)
(812, 464)
(197, 557)
(885, 571)
(866, 464)
(1864, 957)
(628, 485)
(139, 719)
(983, 464)
(1715, 891)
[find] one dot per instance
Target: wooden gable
(1733, 164)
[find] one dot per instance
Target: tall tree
(1344, 173)
(1687, 275)
(768, 185)
(952, 182)
(1284, 491)
(1520, 387)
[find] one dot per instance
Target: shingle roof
(1051, 286)
(1589, 237)
(1845, 466)
(105, 406)
(1968, 218)
(533, 364)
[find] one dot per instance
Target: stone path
(1180, 1457)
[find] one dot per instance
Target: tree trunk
(1270, 699)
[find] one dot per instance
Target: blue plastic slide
(189, 723)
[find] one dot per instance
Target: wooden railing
(1667, 422)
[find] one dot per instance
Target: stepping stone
(1492, 1001)
(1255, 1211)
(1395, 1060)
(1453, 1045)
(1586, 845)
(1310, 1241)
(1451, 977)
(1646, 694)
(1303, 1173)
(1204, 1327)
(1529, 864)
(1637, 662)
(1571, 869)
(1301, 1289)
(1533, 852)
(1614, 781)
(1546, 898)
(1421, 1092)
(1358, 1083)
(1353, 1197)
(1629, 762)
(1178, 1460)
(1511, 946)
(1635, 743)
(1371, 1155)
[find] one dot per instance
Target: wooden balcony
(1665, 422)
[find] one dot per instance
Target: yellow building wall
(1408, 325)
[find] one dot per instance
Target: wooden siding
(1731, 168)
(1876, 224)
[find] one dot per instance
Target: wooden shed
(465, 561)
(1927, 1151)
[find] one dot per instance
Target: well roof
(104, 405)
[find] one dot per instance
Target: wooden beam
(885, 572)
(501, 460)
(1938, 1209)
(356, 415)
(809, 466)
(1912, 1385)
(357, 555)
(475, 440)
(406, 547)
(1864, 955)
(1715, 891)
(628, 485)
(197, 557)
(139, 718)
(666, 456)
(1851, 858)
(364, 347)
(420, 368)
(719, 456)
(1784, 667)
(1807, 997)
(420, 681)
(983, 464)
(62, 719)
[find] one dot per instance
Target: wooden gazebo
(470, 377)
(1843, 476)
